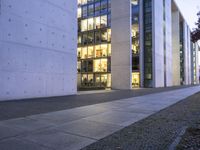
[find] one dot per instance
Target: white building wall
(168, 42)
(197, 63)
(37, 48)
(158, 43)
(176, 47)
(121, 59)
(187, 56)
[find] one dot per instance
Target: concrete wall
(168, 43)
(37, 48)
(121, 59)
(187, 54)
(158, 43)
(194, 63)
(197, 63)
(176, 47)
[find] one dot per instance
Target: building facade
(149, 45)
(37, 48)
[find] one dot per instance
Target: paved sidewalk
(78, 127)
(27, 107)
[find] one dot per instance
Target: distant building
(149, 46)
(195, 63)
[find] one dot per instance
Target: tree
(195, 35)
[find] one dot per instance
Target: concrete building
(195, 63)
(37, 48)
(149, 46)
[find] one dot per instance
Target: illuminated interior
(94, 43)
(135, 79)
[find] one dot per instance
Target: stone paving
(78, 127)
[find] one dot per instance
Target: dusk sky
(189, 9)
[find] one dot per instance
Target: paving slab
(117, 118)
(56, 118)
(25, 124)
(17, 144)
(6, 132)
(58, 140)
(91, 129)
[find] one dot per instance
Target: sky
(189, 9)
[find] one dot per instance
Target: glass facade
(135, 44)
(194, 63)
(94, 43)
(182, 70)
(148, 73)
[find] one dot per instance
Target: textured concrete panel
(187, 53)
(168, 43)
(38, 48)
(176, 48)
(158, 43)
(121, 44)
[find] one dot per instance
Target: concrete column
(197, 63)
(37, 48)
(176, 47)
(187, 56)
(121, 60)
(158, 43)
(168, 42)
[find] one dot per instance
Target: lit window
(109, 80)
(84, 53)
(90, 39)
(79, 2)
(135, 79)
(100, 65)
(79, 12)
(90, 51)
(103, 21)
(104, 80)
(97, 65)
(79, 53)
(134, 2)
(104, 66)
(98, 51)
(79, 39)
(109, 35)
(97, 23)
(79, 66)
(90, 24)
(90, 79)
(84, 2)
(84, 25)
(104, 49)
(97, 80)
(104, 36)
(84, 79)
(109, 49)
